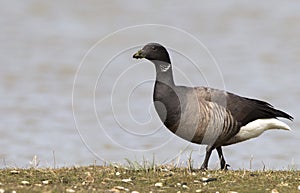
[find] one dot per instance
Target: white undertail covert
(256, 128)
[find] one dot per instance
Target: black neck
(165, 77)
(166, 100)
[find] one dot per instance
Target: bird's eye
(154, 48)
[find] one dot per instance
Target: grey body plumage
(203, 115)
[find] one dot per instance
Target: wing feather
(243, 110)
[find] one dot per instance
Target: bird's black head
(153, 51)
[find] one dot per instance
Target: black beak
(140, 54)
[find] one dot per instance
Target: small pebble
(158, 184)
(24, 182)
(274, 191)
(45, 182)
(114, 190)
(14, 172)
(13, 191)
(134, 191)
(208, 179)
(89, 179)
(185, 186)
(126, 180)
(119, 187)
(70, 190)
(2, 190)
(299, 187)
(118, 173)
(204, 179)
(284, 184)
(164, 170)
(198, 190)
(232, 192)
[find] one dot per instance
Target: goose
(204, 115)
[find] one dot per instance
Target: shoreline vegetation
(136, 178)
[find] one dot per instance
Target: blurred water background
(44, 47)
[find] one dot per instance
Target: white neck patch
(164, 67)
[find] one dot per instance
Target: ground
(115, 178)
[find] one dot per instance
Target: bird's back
(244, 110)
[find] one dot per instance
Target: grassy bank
(156, 179)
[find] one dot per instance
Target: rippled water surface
(71, 94)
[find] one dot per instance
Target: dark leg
(207, 156)
(222, 159)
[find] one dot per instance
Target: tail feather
(268, 111)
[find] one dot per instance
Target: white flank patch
(257, 127)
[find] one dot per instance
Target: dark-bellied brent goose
(205, 115)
